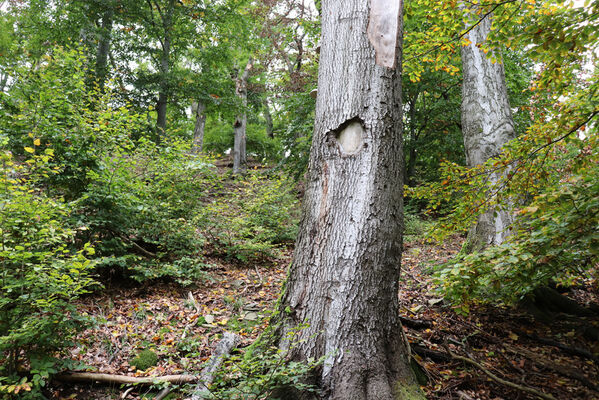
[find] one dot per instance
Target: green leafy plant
(251, 220)
(263, 371)
(556, 238)
(42, 273)
(139, 206)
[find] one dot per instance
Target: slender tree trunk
(104, 47)
(343, 282)
(268, 117)
(163, 95)
(198, 109)
(239, 145)
(487, 125)
(413, 143)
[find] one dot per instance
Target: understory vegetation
(119, 206)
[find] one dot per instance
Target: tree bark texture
(487, 124)
(343, 282)
(104, 46)
(198, 109)
(239, 144)
(163, 95)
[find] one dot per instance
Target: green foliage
(263, 371)
(139, 206)
(144, 360)
(414, 226)
(41, 274)
(252, 219)
(556, 239)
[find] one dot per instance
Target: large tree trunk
(487, 125)
(343, 281)
(239, 150)
(198, 109)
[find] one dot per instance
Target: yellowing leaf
(513, 336)
(37, 142)
(29, 150)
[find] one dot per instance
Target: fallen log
(91, 377)
(425, 352)
(224, 347)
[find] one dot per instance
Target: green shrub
(41, 273)
(144, 360)
(252, 220)
(414, 226)
(139, 207)
(556, 238)
(263, 371)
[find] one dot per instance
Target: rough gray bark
(239, 151)
(343, 281)
(487, 125)
(104, 46)
(198, 109)
(163, 95)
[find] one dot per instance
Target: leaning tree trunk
(239, 150)
(198, 109)
(487, 125)
(343, 282)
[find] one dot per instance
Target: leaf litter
(183, 325)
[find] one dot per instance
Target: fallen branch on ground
(91, 377)
(224, 347)
(574, 351)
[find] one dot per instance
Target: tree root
(498, 379)
(574, 351)
(565, 371)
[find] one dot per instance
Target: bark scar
(349, 137)
(383, 30)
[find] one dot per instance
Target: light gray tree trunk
(104, 46)
(343, 281)
(487, 125)
(198, 109)
(239, 145)
(164, 91)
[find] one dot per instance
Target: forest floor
(183, 325)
